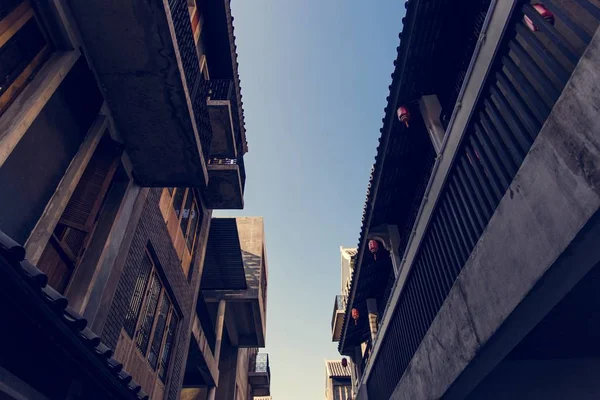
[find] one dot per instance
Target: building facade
(121, 130)
(338, 381)
(476, 258)
(229, 325)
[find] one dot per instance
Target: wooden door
(74, 230)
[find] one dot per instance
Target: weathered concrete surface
(542, 379)
(131, 46)
(553, 196)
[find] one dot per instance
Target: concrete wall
(548, 207)
(541, 379)
(241, 376)
(227, 371)
(36, 165)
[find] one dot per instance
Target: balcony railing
(261, 364)
(259, 374)
(337, 317)
(224, 89)
(221, 99)
(339, 305)
(535, 60)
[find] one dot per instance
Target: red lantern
(374, 248)
(355, 315)
(544, 12)
(344, 362)
(404, 115)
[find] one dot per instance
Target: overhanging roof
(223, 263)
(335, 369)
(420, 39)
(26, 288)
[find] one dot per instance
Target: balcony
(227, 178)
(235, 270)
(224, 118)
(259, 374)
(490, 169)
(337, 319)
(146, 62)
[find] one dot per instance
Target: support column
(430, 110)
(219, 333)
(390, 237)
(373, 314)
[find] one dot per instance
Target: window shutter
(159, 332)
(72, 233)
(143, 334)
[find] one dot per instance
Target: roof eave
(412, 7)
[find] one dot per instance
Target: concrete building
(348, 257)
(121, 130)
(338, 383)
(477, 257)
(230, 322)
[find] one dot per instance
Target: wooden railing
(538, 53)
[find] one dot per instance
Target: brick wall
(152, 230)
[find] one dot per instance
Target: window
(23, 49)
(183, 216)
(342, 392)
(156, 323)
(73, 233)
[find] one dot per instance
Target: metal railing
(339, 305)
(231, 161)
(224, 89)
(535, 60)
(259, 364)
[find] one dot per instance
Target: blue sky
(315, 75)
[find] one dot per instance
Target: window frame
(13, 23)
(192, 226)
(172, 312)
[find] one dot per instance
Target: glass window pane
(159, 331)
(194, 218)
(143, 334)
(167, 349)
(178, 200)
(186, 212)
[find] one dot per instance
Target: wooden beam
(24, 110)
(45, 226)
(10, 25)
(21, 81)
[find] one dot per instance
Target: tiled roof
(350, 251)
(395, 87)
(236, 75)
(336, 370)
(14, 254)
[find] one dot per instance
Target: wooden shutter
(142, 336)
(73, 232)
(167, 348)
(159, 332)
